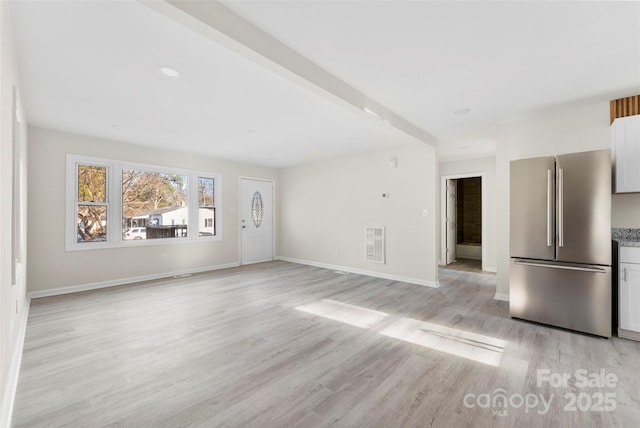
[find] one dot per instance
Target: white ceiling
(92, 68)
(502, 60)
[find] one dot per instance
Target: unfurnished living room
(319, 213)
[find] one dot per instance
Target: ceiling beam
(216, 22)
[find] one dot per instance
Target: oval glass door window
(257, 209)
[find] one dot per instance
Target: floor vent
(375, 246)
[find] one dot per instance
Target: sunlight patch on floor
(349, 314)
(472, 346)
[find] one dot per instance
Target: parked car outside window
(136, 233)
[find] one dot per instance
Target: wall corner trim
(124, 281)
(502, 297)
(399, 278)
(11, 387)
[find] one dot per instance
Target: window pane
(207, 222)
(206, 210)
(154, 205)
(205, 192)
(92, 183)
(92, 223)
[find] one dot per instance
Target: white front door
(256, 220)
(451, 221)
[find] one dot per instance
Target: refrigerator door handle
(624, 274)
(560, 207)
(578, 268)
(549, 207)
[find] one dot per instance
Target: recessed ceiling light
(169, 72)
(462, 111)
(251, 131)
(119, 127)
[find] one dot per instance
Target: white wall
(325, 207)
(568, 130)
(12, 296)
(625, 210)
(487, 167)
(52, 267)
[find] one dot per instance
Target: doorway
(463, 222)
(256, 220)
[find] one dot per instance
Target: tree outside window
(92, 203)
(155, 201)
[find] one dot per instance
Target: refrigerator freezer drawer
(569, 296)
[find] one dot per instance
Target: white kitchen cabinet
(625, 144)
(629, 293)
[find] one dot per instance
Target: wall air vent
(374, 244)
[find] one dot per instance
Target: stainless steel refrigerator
(560, 241)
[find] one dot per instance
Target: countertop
(626, 237)
(629, 243)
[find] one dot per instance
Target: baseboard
(489, 269)
(433, 284)
(627, 334)
(502, 297)
(123, 281)
(9, 396)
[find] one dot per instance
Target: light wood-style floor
(286, 345)
(466, 265)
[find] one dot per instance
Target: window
(18, 232)
(206, 206)
(151, 204)
(91, 203)
(257, 209)
(157, 201)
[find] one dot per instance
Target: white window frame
(114, 204)
(19, 200)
